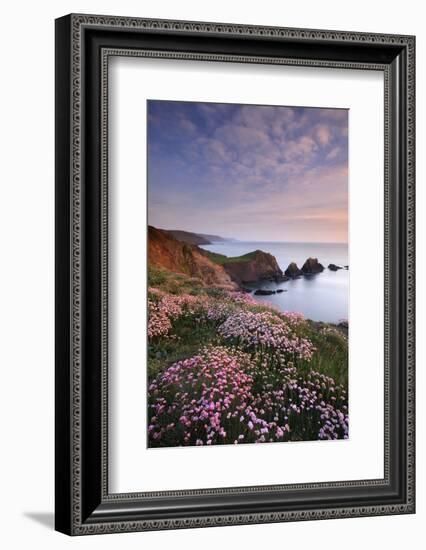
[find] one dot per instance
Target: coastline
(322, 297)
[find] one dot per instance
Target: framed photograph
(234, 274)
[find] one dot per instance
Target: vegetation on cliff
(166, 251)
(221, 259)
(249, 268)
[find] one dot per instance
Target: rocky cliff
(252, 267)
(167, 252)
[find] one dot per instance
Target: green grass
(191, 339)
(157, 277)
(174, 283)
(331, 356)
(222, 260)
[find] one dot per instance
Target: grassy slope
(174, 283)
(190, 340)
(191, 337)
(222, 260)
(331, 356)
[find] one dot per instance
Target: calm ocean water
(322, 297)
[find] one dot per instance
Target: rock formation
(312, 266)
(166, 251)
(252, 267)
(264, 292)
(293, 271)
(334, 267)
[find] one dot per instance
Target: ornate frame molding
(71, 43)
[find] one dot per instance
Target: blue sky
(249, 172)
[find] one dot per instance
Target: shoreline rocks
(264, 292)
(268, 291)
(312, 267)
(292, 271)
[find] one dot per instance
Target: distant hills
(215, 238)
(194, 238)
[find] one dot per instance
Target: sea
(321, 297)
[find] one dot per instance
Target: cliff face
(253, 267)
(166, 251)
(180, 257)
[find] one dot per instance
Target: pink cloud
(333, 153)
(323, 134)
(301, 150)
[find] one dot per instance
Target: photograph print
(248, 274)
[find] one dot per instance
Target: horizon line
(251, 240)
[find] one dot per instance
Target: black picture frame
(83, 45)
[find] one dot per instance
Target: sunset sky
(254, 173)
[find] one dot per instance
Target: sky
(249, 172)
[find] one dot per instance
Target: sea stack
(293, 271)
(334, 267)
(252, 267)
(312, 267)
